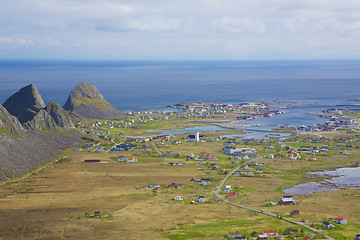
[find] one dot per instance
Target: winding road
(260, 211)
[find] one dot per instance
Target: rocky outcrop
(60, 116)
(28, 106)
(9, 123)
(26, 144)
(25, 103)
(85, 100)
(41, 121)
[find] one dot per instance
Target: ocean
(145, 85)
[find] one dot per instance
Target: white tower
(197, 137)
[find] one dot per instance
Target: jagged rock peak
(40, 121)
(86, 101)
(60, 116)
(9, 122)
(25, 103)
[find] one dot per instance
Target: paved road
(156, 149)
(260, 211)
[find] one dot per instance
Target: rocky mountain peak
(25, 103)
(85, 90)
(60, 116)
(86, 101)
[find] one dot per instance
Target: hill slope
(85, 100)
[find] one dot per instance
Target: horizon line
(177, 60)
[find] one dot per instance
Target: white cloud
(15, 41)
(153, 24)
(243, 25)
(130, 28)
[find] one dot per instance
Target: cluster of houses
(200, 199)
(202, 181)
(332, 124)
(126, 159)
(246, 110)
(297, 153)
(90, 147)
(270, 234)
(337, 220)
(123, 147)
(205, 157)
(244, 153)
(249, 169)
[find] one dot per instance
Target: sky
(179, 29)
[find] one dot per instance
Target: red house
(269, 232)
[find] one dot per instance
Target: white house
(178, 198)
(227, 188)
(201, 199)
(241, 152)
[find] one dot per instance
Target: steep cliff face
(60, 116)
(25, 103)
(9, 123)
(85, 100)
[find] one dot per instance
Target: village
(254, 160)
(130, 180)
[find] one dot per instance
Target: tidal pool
(341, 178)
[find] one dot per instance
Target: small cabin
(201, 199)
(295, 213)
(97, 214)
(178, 198)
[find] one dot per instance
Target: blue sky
(180, 29)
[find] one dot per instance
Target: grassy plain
(59, 201)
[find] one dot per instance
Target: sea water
(144, 85)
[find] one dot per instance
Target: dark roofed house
(292, 231)
(295, 213)
(327, 225)
(206, 179)
(175, 185)
(235, 235)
